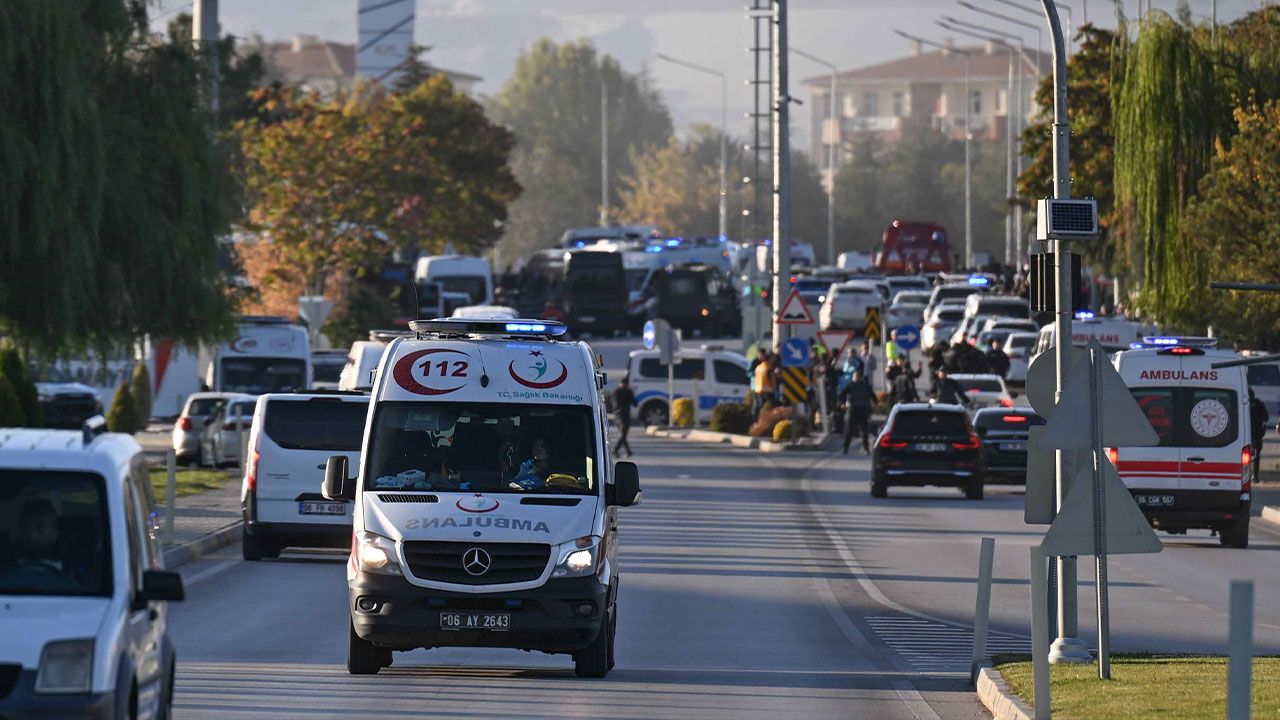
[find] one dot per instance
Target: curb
(181, 554)
(1270, 514)
(998, 698)
(742, 441)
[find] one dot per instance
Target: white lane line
(209, 572)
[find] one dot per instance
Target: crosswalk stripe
(933, 647)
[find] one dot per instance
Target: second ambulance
(1200, 475)
(486, 504)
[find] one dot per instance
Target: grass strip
(188, 481)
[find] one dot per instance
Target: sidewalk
(202, 523)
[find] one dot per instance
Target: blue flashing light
(723, 238)
(653, 249)
(1136, 346)
(673, 242)
(979, 280)
(580, 243)
(1085, 315)
(526, 328)
(1163, 341)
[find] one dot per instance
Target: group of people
(962, 357)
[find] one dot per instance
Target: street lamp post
(831, 153)
(1037, 13)
(968, 135)
(724, 136)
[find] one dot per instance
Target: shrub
(731, 417)
(782, 431)
(140, 389)
(682, 412)
(10, 408)
(763, 427)
(123, 415)
(13, 369)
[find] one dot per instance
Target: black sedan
(1004, 433)
(928, 444)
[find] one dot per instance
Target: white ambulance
(1200, 474)
(486, 504)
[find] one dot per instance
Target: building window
(870, 105)
(975, 102)
(899, 105)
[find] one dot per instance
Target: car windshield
(329, 372)
(472, 285)
(806, 286)
(915, 423)
(202, 407)
(976, 385)
(482, 447)
(949, 315)
(1266, 375)
(54, 533)
(241, 409)
(1007, 308)
(261, 375)
(593, 280)
(1017, 341)
(316, 424)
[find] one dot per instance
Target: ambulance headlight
(66, 666)
(578, 557)
(376, 554)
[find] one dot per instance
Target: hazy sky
(485, 36)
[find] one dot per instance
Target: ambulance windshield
(482, 447)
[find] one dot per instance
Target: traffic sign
(907, 337)
(650, 335)
(1123, 422)
(1042, 379)
(795, 311)
(795, 353)
(795, 384)
(1042, 482)
(874, 330)
(1127, 529)
(835, 340)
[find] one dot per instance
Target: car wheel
(653, 413)
(1235, 535)
(363, 657)
(973, 489)
(879, 489)
(165, 711)
(593, 660)
(251, 547)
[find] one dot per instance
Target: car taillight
(184, 423)
(1006, 402)
(251, 477)
(891, 444)
(973, 443)
(1246, 468)
(1113, 454)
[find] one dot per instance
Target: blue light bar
(653, 249)
(580, 243)
(673, 242)
(1161, 340)
(1172, 341)
(1085, 315)
(461, 326)
(979, 280)
(527, 328)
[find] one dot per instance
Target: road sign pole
(781, 169)
(1099, 515)
(1240, 651)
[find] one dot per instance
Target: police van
(1200, 474)
(485, 508)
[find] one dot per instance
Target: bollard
(1039, 633)
(170, 494)
(1240, 651)
(982, 609)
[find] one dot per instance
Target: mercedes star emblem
(476, 561)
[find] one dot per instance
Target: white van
(363, 359)
(711, 373)
(458, 274)
(268, 354)
(486, 503)
(1113, 334)
(1200, 474)
(292, 437)
(83, 599)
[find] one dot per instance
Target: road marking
(930, 647)
(209, 572)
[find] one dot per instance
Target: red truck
(910, 248)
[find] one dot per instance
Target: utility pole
(204, 34)
(604, 152)
(781, 172)
(834, 129)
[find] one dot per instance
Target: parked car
(846, 305)
(221, 439)
(927, 444)
(67, 404)
(292, 437)
(1004, 433)
(188, 429)
(940, 324)
(984, 390)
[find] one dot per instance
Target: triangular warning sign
(1127, 529)
(795, 311)
(835, 341)
(1123, 422)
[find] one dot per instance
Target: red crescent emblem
(564, 373)
(403, 373)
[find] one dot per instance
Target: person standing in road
(997, 360)
(764, 382)
(857, 397)
(903, 389)
(624, 398)
(949, 391)
(869, 364)
(1258, 417)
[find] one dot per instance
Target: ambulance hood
(479, 517)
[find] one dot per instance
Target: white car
(969, 329)
(846, 305)
(984, 390)
(940, 323)
(909, 283)
(907, 309)
(1019, 346)
(85, 602)
(293, 436)
(1010, 325)
(188, 430)
(710, 373)
(226, 431)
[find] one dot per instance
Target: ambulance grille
(443, 561)
(407, 498)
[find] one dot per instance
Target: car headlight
(376, 554)
(66, 666)
(577, 557)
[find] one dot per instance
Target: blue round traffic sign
(907, 337)
(650, 335)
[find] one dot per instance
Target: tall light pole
(1037, 13)
(604, 152)
(724, 136)
(1009, 224)
(781, 142)
(968, 135)
(204, 33)
(831, 153)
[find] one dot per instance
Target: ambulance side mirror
(337, 486)
(625, 490)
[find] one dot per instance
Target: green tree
(10, 407)
(15, 371)
(140, 390)
(677, 186)
(414, 71)
(123, 415)
(552, 104)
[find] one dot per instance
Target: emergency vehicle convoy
(485, 505)
(1201, 473)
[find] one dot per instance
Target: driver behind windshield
(38, 548)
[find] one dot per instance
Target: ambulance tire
(592, 661)
(251, 547)
(1235, 535)
(973, 489)
(363, 657)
